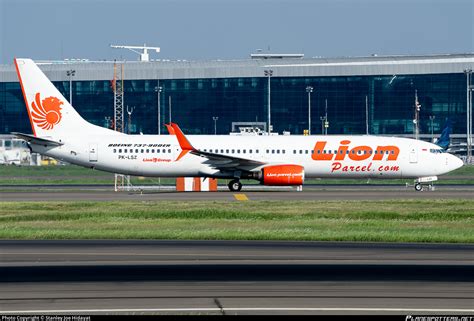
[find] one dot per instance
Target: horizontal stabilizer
(37, 140)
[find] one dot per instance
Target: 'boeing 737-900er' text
(60, 132)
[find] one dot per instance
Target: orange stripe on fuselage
(24, 97)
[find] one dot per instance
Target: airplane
(60, 132)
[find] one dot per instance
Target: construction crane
(144, 56)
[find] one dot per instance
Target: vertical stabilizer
(50, 113)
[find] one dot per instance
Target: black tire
(418, 187)
(235, 185)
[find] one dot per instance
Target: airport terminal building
(374, 94)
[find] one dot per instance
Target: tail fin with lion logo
(51, 116)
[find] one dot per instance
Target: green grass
(71, 174)
(379, 221)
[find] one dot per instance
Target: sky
(233, 29)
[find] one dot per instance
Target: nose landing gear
(235, 185)
(423, 182)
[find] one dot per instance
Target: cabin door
(413, 155)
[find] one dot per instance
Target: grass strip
(450, 221)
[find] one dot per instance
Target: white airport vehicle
(14, 151)
(60, 132)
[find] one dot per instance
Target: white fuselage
(321, 156)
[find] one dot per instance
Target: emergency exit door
(93, 153)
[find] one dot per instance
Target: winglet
(182, 140)
(170, 129)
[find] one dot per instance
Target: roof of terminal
(282, 67)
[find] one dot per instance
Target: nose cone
(455, 162)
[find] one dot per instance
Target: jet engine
(282, 175)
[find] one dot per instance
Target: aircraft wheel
(418, 187)
(235, 185)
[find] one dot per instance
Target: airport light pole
(416, 120)
(309, 90)
(326, 123)
(432, 117)
(158, 90)
(129, 112)
(269, 73)
(366, 115)
(108, 119)
(215, 118)
(70, 73)
(468, 73)
(169, 105)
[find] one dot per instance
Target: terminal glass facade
(194, 102)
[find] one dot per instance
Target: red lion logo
(46, 113)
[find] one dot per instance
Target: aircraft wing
(218, 161)
(37, 140)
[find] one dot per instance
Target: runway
(312, 192)
(235, 277)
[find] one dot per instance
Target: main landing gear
(235, 185)
(418, 187)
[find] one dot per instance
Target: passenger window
(278, 151)
(282, 151)
(294, 151)
(164, 150)
(147, 151)
(250, 151)
(169, 150)
(120, 150)
(238, 151)
(233, 151)
(306, 151)
(301, 152)
(227, 151)
(125, 150)
(243, 151)
(256, 151)
(222, 151)
(158, 151)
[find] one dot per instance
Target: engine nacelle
(282, 175)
